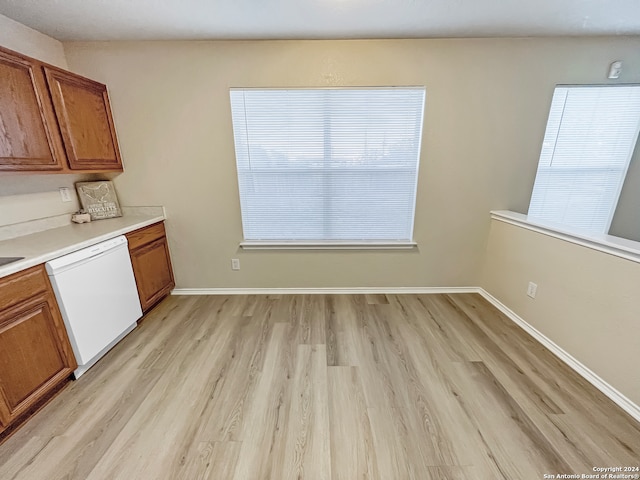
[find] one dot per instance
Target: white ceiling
(284, 19)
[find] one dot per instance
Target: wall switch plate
(532, 289)
(235, 264)
(65, 194)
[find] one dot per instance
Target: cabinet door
(152, 269)
(35, 355)
(29, 139)
(84, 116)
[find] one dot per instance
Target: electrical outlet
(65, 194)
(532, 289)
(235, 264)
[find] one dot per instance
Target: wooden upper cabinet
(29, 138)
(52, 120)
(84, 117)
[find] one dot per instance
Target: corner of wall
(21, 38)
(585, 299)
(482, 267)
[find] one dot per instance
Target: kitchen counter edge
(131, 223)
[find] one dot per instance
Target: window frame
(328, 244)
(540, 169)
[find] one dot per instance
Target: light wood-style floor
(324, 387)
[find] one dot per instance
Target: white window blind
(327, 164)
(590, 137)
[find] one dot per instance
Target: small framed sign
(99, 199)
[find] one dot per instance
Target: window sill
(620, 247)
(327, 245)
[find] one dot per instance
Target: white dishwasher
(98, 298)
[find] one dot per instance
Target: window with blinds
(327, 164)
(588, 144)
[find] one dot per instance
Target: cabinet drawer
(22, 285)
(145, 235)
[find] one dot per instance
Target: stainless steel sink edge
(7, 260)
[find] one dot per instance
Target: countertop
(46, 245)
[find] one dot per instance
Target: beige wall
(486, 110)
(587, 301)
(626, 220)
(24, 198)
(18, 37)
(32, 197)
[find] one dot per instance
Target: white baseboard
(312, 291)
(622, 401)
(617, 397)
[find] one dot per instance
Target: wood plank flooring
(324, 387)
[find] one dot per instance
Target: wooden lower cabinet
(35, 354)
(151, 264)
